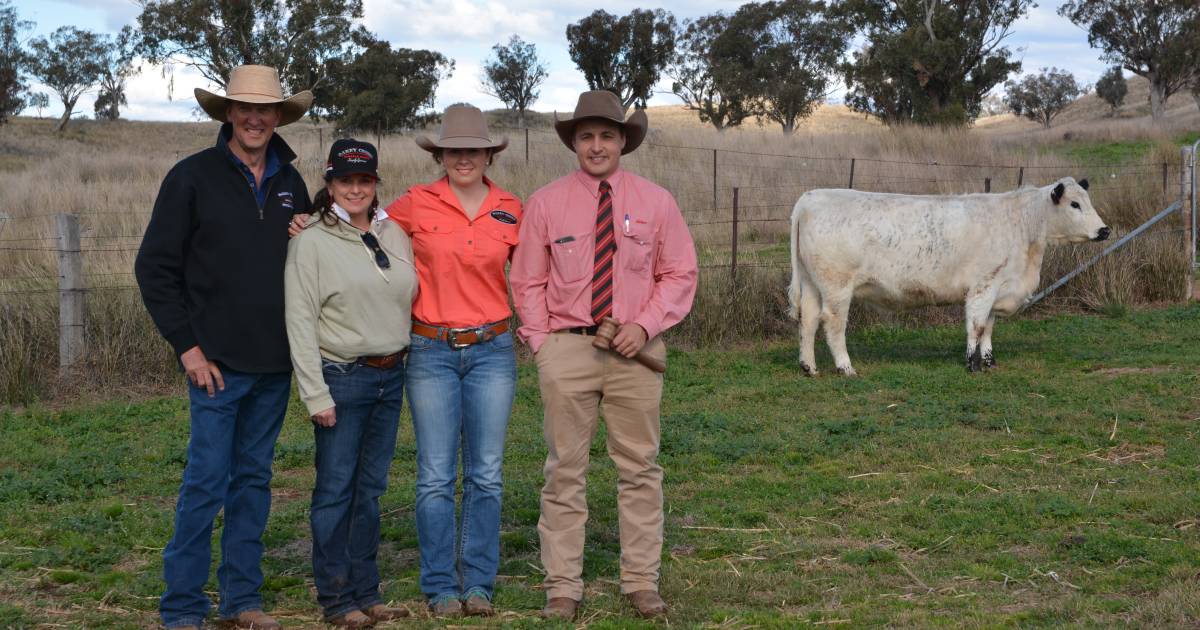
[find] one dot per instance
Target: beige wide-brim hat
(605, 105)
(259, 85)
(463, 127)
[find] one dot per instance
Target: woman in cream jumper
(350, 270)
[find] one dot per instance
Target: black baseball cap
(349, 157)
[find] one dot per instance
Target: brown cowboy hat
(259, 85)
(463, 127)
(605, 105)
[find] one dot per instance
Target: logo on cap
(355, 154)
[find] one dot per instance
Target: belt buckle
(452, 338)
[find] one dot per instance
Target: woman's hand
(325, 418)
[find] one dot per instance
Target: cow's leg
(979, 309)
(985, 343)
(810, 318)
(835, 311)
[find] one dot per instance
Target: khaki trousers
(577, 380)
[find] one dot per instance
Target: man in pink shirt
(601, 242)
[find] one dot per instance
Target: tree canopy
(297, 37)
(13, 61)
(624, 55)
(118, 66)
(1112, 88)
(381, 88)
(513, 75)
(718, 91)
(929, 61)
(1155, 39)
(1042, 96)
(70, 62)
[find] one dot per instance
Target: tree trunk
(68, 107)
(1196, 94)
(1158, 99)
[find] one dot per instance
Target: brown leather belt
(384, 362)
(459, 338)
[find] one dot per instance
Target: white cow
(901, 251)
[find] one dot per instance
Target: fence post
(1021, 177)
(321, 142)
(851, 184)
(714, 179)
(527, 145)
(734, 242)
(987, 184)
(3, 222)
(1187, 178)
(70, 292)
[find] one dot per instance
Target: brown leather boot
(352, 619)
(560, 608)
(383, 612)
(253, 620)
(647, 603)
(476, 605)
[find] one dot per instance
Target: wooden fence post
(714, 179)
(987, 184)
(70, 292)
(851, 184)
(1021, 177)
(3, 222)
(734, 242)
(321, 142)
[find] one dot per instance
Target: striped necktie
(606, 247)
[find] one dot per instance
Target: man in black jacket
(210, 270)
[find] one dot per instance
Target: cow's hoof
(989, 361)
(847, 371)
(974, 361)
(808, 369)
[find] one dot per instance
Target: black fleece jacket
(210, 266)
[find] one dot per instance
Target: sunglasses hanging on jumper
(372, 243)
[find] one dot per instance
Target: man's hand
(297, 225)
(326, 418)
(202, 372)
(629, 340)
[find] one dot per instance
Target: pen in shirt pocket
(626, 224)
(565, 239)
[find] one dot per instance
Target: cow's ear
(1057, 193)
(1083, 184)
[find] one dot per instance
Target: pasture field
(1060, 490)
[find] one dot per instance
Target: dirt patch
(1119, 371)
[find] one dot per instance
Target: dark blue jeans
(228, 466)
(352, 458)
(460, 398)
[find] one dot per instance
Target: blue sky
(465, 30)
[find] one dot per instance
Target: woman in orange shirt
(461, 376)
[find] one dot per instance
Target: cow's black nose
(1103, 233)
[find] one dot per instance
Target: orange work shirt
(460, 261)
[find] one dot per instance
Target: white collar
(380, 214)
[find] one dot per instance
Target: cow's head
(1072, 217)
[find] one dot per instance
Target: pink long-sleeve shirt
(654, 270)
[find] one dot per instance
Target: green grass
(1059, 490)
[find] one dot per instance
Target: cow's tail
(797, 268)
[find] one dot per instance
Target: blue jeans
(460, 398)
(352, 459)
(228, 466)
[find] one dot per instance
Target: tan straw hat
(463, 127)
(603, 104)
(255, 84)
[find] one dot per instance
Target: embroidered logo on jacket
(504, 217)
(286, 200)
